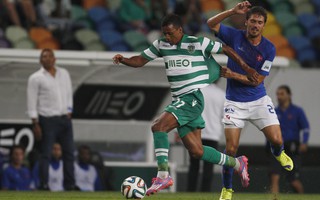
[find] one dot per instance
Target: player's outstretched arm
(240, 8)
(134, 61)
(228, 73)
(252, 74)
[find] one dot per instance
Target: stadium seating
(111, 38)
(15, 33)
(88, 4)
(89, 39)
(95, 27)
(136, 40)
(99, 14)
(208, 5)
(153, 35)
(43, 38)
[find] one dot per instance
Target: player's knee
(196, 153)
(157, 125)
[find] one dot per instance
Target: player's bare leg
(274, 136)
(297, 186)
(274, 186)
(160, 128)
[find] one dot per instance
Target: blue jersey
(16, 179)
(259, 57)
(292, 121)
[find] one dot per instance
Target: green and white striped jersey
(186, 63)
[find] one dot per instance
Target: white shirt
(47, 95)
(55, 181)
(214, 98)
(85, 179)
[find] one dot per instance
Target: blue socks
(276, 150)
(227, 174)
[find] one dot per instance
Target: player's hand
(242, 8)
(117, 59)
(225, 72)
(253, 75)
(303, 148)
(37, 132)
(69, 115)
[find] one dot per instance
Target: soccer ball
(133, 187)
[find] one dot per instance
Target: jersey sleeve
(152, 52)
(304, 126)
(227, 34)
(267, 64)
(210, 47)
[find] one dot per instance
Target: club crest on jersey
(191, 48)
(259, 58)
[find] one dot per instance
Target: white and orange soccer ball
(133, 187)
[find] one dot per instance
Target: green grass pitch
(35, 195)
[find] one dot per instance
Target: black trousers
(207, 172)
(57, 129)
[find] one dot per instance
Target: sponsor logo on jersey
(241, 49)
(178, 63)
(229, 110)
(266, 66)
(191, 48)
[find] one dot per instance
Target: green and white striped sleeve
(152, 52)
(211, 47)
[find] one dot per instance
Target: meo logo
(178, 63)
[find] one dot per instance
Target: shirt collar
(182, 40)
(43, 70)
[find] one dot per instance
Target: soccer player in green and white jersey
(186, 60)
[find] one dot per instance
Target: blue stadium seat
(308, 21)
(105, 25)
(111, 38)
(299, 42)
(119, 47)
(314, 32)
(308, 54)
(99, 14)
(316, 4)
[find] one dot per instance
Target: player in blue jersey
(247, 100)
(293, 122)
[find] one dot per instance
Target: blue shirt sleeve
(304, 126)
(269, 57)
(226, 34)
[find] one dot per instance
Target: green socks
(212, 155)
(161, 146)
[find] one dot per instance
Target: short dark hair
(259, 11)
(286, 88)
(173, 19)
(46, 50)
